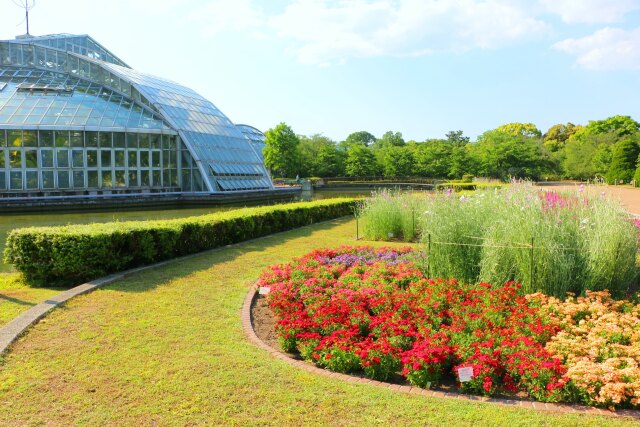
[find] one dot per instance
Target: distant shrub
(472, 186)
(76, 253)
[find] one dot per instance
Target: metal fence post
(413, 222)
(429, 256)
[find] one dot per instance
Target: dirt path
(629, 197)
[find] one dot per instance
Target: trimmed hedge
(77, 253)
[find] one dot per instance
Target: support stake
(532, 268)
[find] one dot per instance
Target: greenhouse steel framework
(76, 119)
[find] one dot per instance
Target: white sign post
(264, 290)
(465, 374)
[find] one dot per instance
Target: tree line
(603, 149)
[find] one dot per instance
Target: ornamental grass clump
(390, 214)
(550, 242)
(557, 243)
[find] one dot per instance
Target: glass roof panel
(212, 137)
(80, 107)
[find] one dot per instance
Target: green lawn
(16, 297)
(166, 347)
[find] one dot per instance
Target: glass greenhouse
(75, 119)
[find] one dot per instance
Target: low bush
(76, 253)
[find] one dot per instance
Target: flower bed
(373, 311)
(600, 343)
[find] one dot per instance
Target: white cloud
(218, 16)
(606, 49)
(591, 11)
(325, 31)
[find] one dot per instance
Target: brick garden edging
(247, 325)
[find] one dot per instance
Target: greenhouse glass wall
(76, 119)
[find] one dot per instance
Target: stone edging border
(247, 325)
(10, 332)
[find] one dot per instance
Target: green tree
(503, 155)
(398, 161)
(520, 129)
(281, 152)
(557, 136)
(319, 156)
(360, 161)
(462, 163)
(601, 160)
(330, 161)
(587, 155)
(361, 137)
(623, 161)
(433, 158)
(390, 139)
(636, 176)
(457, 138)
(619, 125)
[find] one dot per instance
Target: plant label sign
(264, 290)
(465, 374)
(390, 235)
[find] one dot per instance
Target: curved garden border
(247, 324)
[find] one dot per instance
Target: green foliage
(281, 152)
(398, 161)
(503, 155)
(623, 161)
(319, 156)
(557, 136)
(520, 129)
(462, 162)
(361, 138)
(618, 125)
(457, 138)
(389, 139)
(360, 161)
(433, 158)
(601, 160)
(578, 156)
(77, 253)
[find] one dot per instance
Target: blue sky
(421, 67)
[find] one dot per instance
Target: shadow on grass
(16, 301)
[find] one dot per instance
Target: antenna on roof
(27, 5)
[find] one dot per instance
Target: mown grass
(16, 296)
(166, 347)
